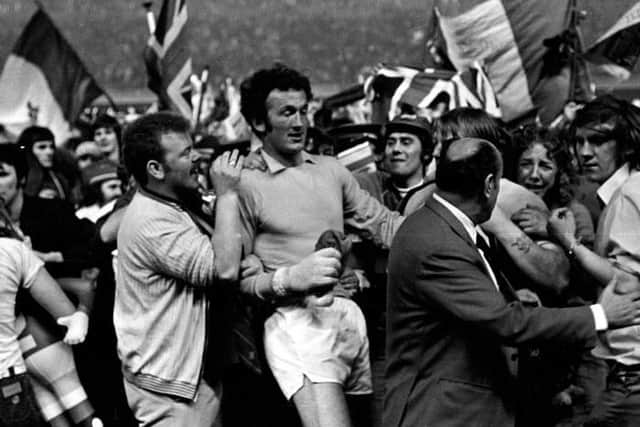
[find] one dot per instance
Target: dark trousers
(619, 404)
(18, 406)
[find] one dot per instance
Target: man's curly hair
(255, 89)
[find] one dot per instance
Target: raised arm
(450, 281)
(546, 266)
(226, 237)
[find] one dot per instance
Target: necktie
(503, 282)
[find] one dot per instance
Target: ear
(490, 186)
(155, 170)
(259, 125)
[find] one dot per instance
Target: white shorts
(325, 344)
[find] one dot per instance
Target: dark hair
(106, 121)
(475, 123)
(625, 118)
(37, 176)
(32, 134)
(255, 90)
(561, 193)
(465, 176)
(141, 141)
(13, 155)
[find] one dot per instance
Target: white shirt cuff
(599, 318)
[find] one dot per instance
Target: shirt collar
(611, 185)
(468, 225)
(275, 166)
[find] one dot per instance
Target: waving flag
(618, 49)
(44, 82)
(419, 88)
(507, 37)
(168, 60)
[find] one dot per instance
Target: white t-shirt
(18, 268)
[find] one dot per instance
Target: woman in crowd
(544, 167)
(44, 179)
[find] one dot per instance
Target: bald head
(465, 164)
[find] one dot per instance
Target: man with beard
(167, 266)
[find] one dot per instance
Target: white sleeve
(30, 264)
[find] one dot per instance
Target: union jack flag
(419, 88)
(168, 59)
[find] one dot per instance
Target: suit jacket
(447, 325)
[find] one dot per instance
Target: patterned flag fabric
(507, 37)
(420, 88)
(168, 60)
(44, 82)
(618, 49)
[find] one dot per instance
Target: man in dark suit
(450, 314)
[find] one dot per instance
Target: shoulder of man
(422, 225)
(631, 187)
(144, 211)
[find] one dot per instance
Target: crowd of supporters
(564, 225)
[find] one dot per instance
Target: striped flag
(419, 88)
(507, 37)
(618, 49)
(168, 59)
(44, 82)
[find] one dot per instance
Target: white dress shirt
(472, 230)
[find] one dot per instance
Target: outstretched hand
(620, 309)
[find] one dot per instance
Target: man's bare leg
(322, 405)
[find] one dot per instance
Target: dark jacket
(447, 325)
(52, 226)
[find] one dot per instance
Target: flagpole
(581, 15)
(577, 63)
(151, 20)
(204, 78)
